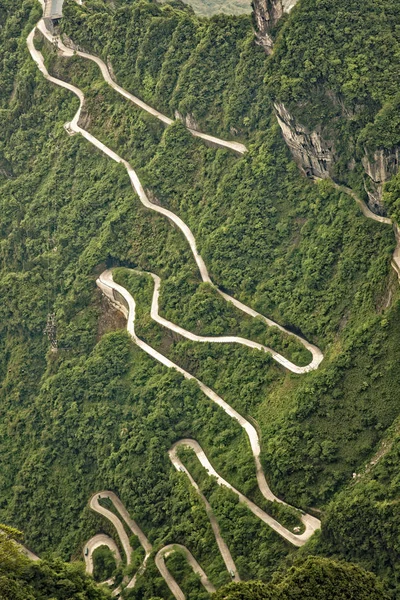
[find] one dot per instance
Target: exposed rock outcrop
(288, 4)
(380, 167)
(189, 120)
(266, 15)
(314, 155)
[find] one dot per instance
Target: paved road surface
(235, 146)
(124, 301)
(73, 126)
(367, 212)
(127, 305)
(226, 339)
(297, 540)
(175, 589)
(101, 539)
(120, 529)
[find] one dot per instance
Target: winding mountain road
(225, 339)
(179, 466)
(73, 126)
(311, 523)
(124, 301)
(367, 212)
(126, 304)
(101, 539)
(114, 519)
(174, 587)
(68, 52)
(121, 531)
(212, 140)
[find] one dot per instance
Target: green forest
(206, 8)
(99, 413)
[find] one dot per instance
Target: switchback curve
(120, 529)
(162, 567)
(212, 140)
(73, 127)
(67, 52)
(125, 302)
(367, 212)
(102, 539)
(224, 339)
(311, 524)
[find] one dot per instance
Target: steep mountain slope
(206, 8)
(24, 579)
(340, 79)
(101, 414)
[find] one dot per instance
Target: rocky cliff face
(266, 15)
(188, 119)
(380, 167)
(314, 155)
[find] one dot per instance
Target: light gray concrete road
(73, 126)
(311, 524)
(114, 519)
(106, 283)
(120, 529)
(28, 553)
(162, 567)
(65, 51)
(222, 545)
(367, 212)
(226, 339)
(124, 301)
(101, 539)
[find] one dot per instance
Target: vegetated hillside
(101, 414)
(340, 77)
(315, 579)
(206, 8)
(23, 579)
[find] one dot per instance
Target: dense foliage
(104, 564)
(23, 579)
(314, 579)
(101, 414)
(336, 66)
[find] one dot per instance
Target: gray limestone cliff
(313, 155)
(266, 15)
(379, 167)
(188, 120)
(316, 157)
